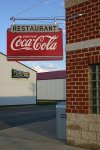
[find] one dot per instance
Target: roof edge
(20, 63)
(51, 71)
(60, 74)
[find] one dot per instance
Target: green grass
(47, 102)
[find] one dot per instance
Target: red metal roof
(52, 75)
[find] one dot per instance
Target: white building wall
(15, 91)
(51, 89)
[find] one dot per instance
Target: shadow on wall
(17, 100)
(33, 89)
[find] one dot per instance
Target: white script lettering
(43, 42)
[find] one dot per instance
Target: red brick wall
(85, 27)
(78, 62)
(79, 29)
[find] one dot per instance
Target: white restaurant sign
(34, 28)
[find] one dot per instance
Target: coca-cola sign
(34, 46)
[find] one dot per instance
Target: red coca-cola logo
(43, 42)
(34, 46)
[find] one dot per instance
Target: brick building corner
(83, 72)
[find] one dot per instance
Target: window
(95, 88)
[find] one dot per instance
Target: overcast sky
(27, 9)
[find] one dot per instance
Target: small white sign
(34, 28)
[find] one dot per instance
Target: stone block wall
(83, 130)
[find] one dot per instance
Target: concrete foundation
(83, 130)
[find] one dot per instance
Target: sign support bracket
(13, 18)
